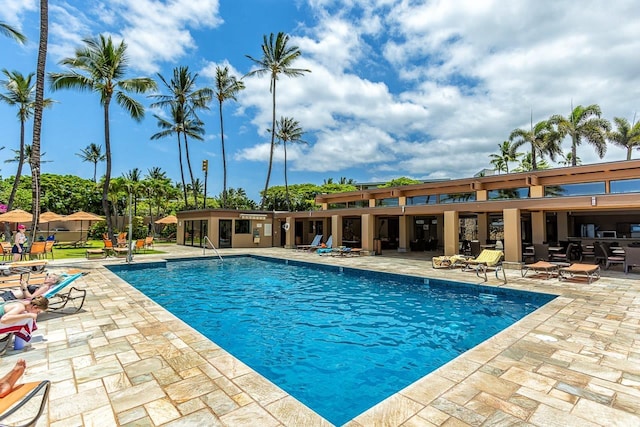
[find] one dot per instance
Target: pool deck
(124, 360)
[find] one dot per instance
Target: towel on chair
(22, 328)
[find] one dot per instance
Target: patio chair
(541, 267)
(631, 258)
(563, 256)
(48, 248)
(20, 396)
(6, 250)
(542, 251)
(327, 247)
(73, 298)
(488, 259)
(448, 261)
(36, 251)
(590, 271)
(604, 256)
(314, 244)
(148, 242)
(139, 246)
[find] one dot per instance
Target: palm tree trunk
(37, 115)
(286, 182)
(224, 162)
(16, 182)
(193, 182)
(184, 186)
(273, 141)
(95, 171)
(107, 174)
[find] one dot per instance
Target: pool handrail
(206, 239)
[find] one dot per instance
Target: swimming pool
(338, 340)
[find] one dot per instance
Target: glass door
(224, 231)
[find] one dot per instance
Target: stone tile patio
(123, 360)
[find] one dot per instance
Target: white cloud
(12, 11)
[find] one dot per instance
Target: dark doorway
(224, 231)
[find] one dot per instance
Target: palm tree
(526, 164)
(92, 153)
(24, 156)
(625, 135)
(37, 114)
(507, 154)
(21, 93)
(288, 131)
(100, 66)
(584, 123)
(543, 140)
(227, 87)
(568, 160)
(192, 128)
(9, 31)
(184, 100)
(133, 179)
(277, 58)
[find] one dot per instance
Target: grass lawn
(65, 253)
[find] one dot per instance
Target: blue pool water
(340, 342)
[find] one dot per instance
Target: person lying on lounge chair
(27, 291)
(21, 314)
(11, 378)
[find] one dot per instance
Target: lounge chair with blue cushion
(314, 244)
(74, 297)
(327, 248)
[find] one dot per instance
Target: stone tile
(546, 416)
(459, 412)
(161, 411)
(189, 388)
(199, 418)
(136, 395)
(291, 412)
(528, 379)
(392, 411)
(68, 406)
(503, 406)
(259, 388)
(99, 417)
(249, 415)
(612, 417)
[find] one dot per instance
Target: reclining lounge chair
(541, 267)
(314, 244)
(590, 271)
(488, 259)
(74, 297)
(20, 396)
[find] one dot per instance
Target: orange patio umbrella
(169, 219)
(83, 216)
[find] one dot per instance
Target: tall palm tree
(542, 138)
(9, 31)
(37, 115)
(184, 99)
(507, 154)
(24, 156)
(583, 124)
(20, 92)
(100, 66)
(192, 128)
(92, 153)
(277, 58)
(288, 130)
(227, 87)
(133, 179)
(625, 135)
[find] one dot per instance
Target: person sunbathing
(11, 378)
(17, 311)
(27, 291)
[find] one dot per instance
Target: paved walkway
(123, 360)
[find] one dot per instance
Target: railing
(204, 248)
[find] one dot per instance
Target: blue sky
(425, 89)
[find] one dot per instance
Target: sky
(422, 89)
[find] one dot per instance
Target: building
(599, 201)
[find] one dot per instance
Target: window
(457, 197)
(625, 186)
(243, 226)
(422, 200)
(510, 193)
(581, 189)
(387, 202)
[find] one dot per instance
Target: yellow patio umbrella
(83, 216)
(169, 219)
